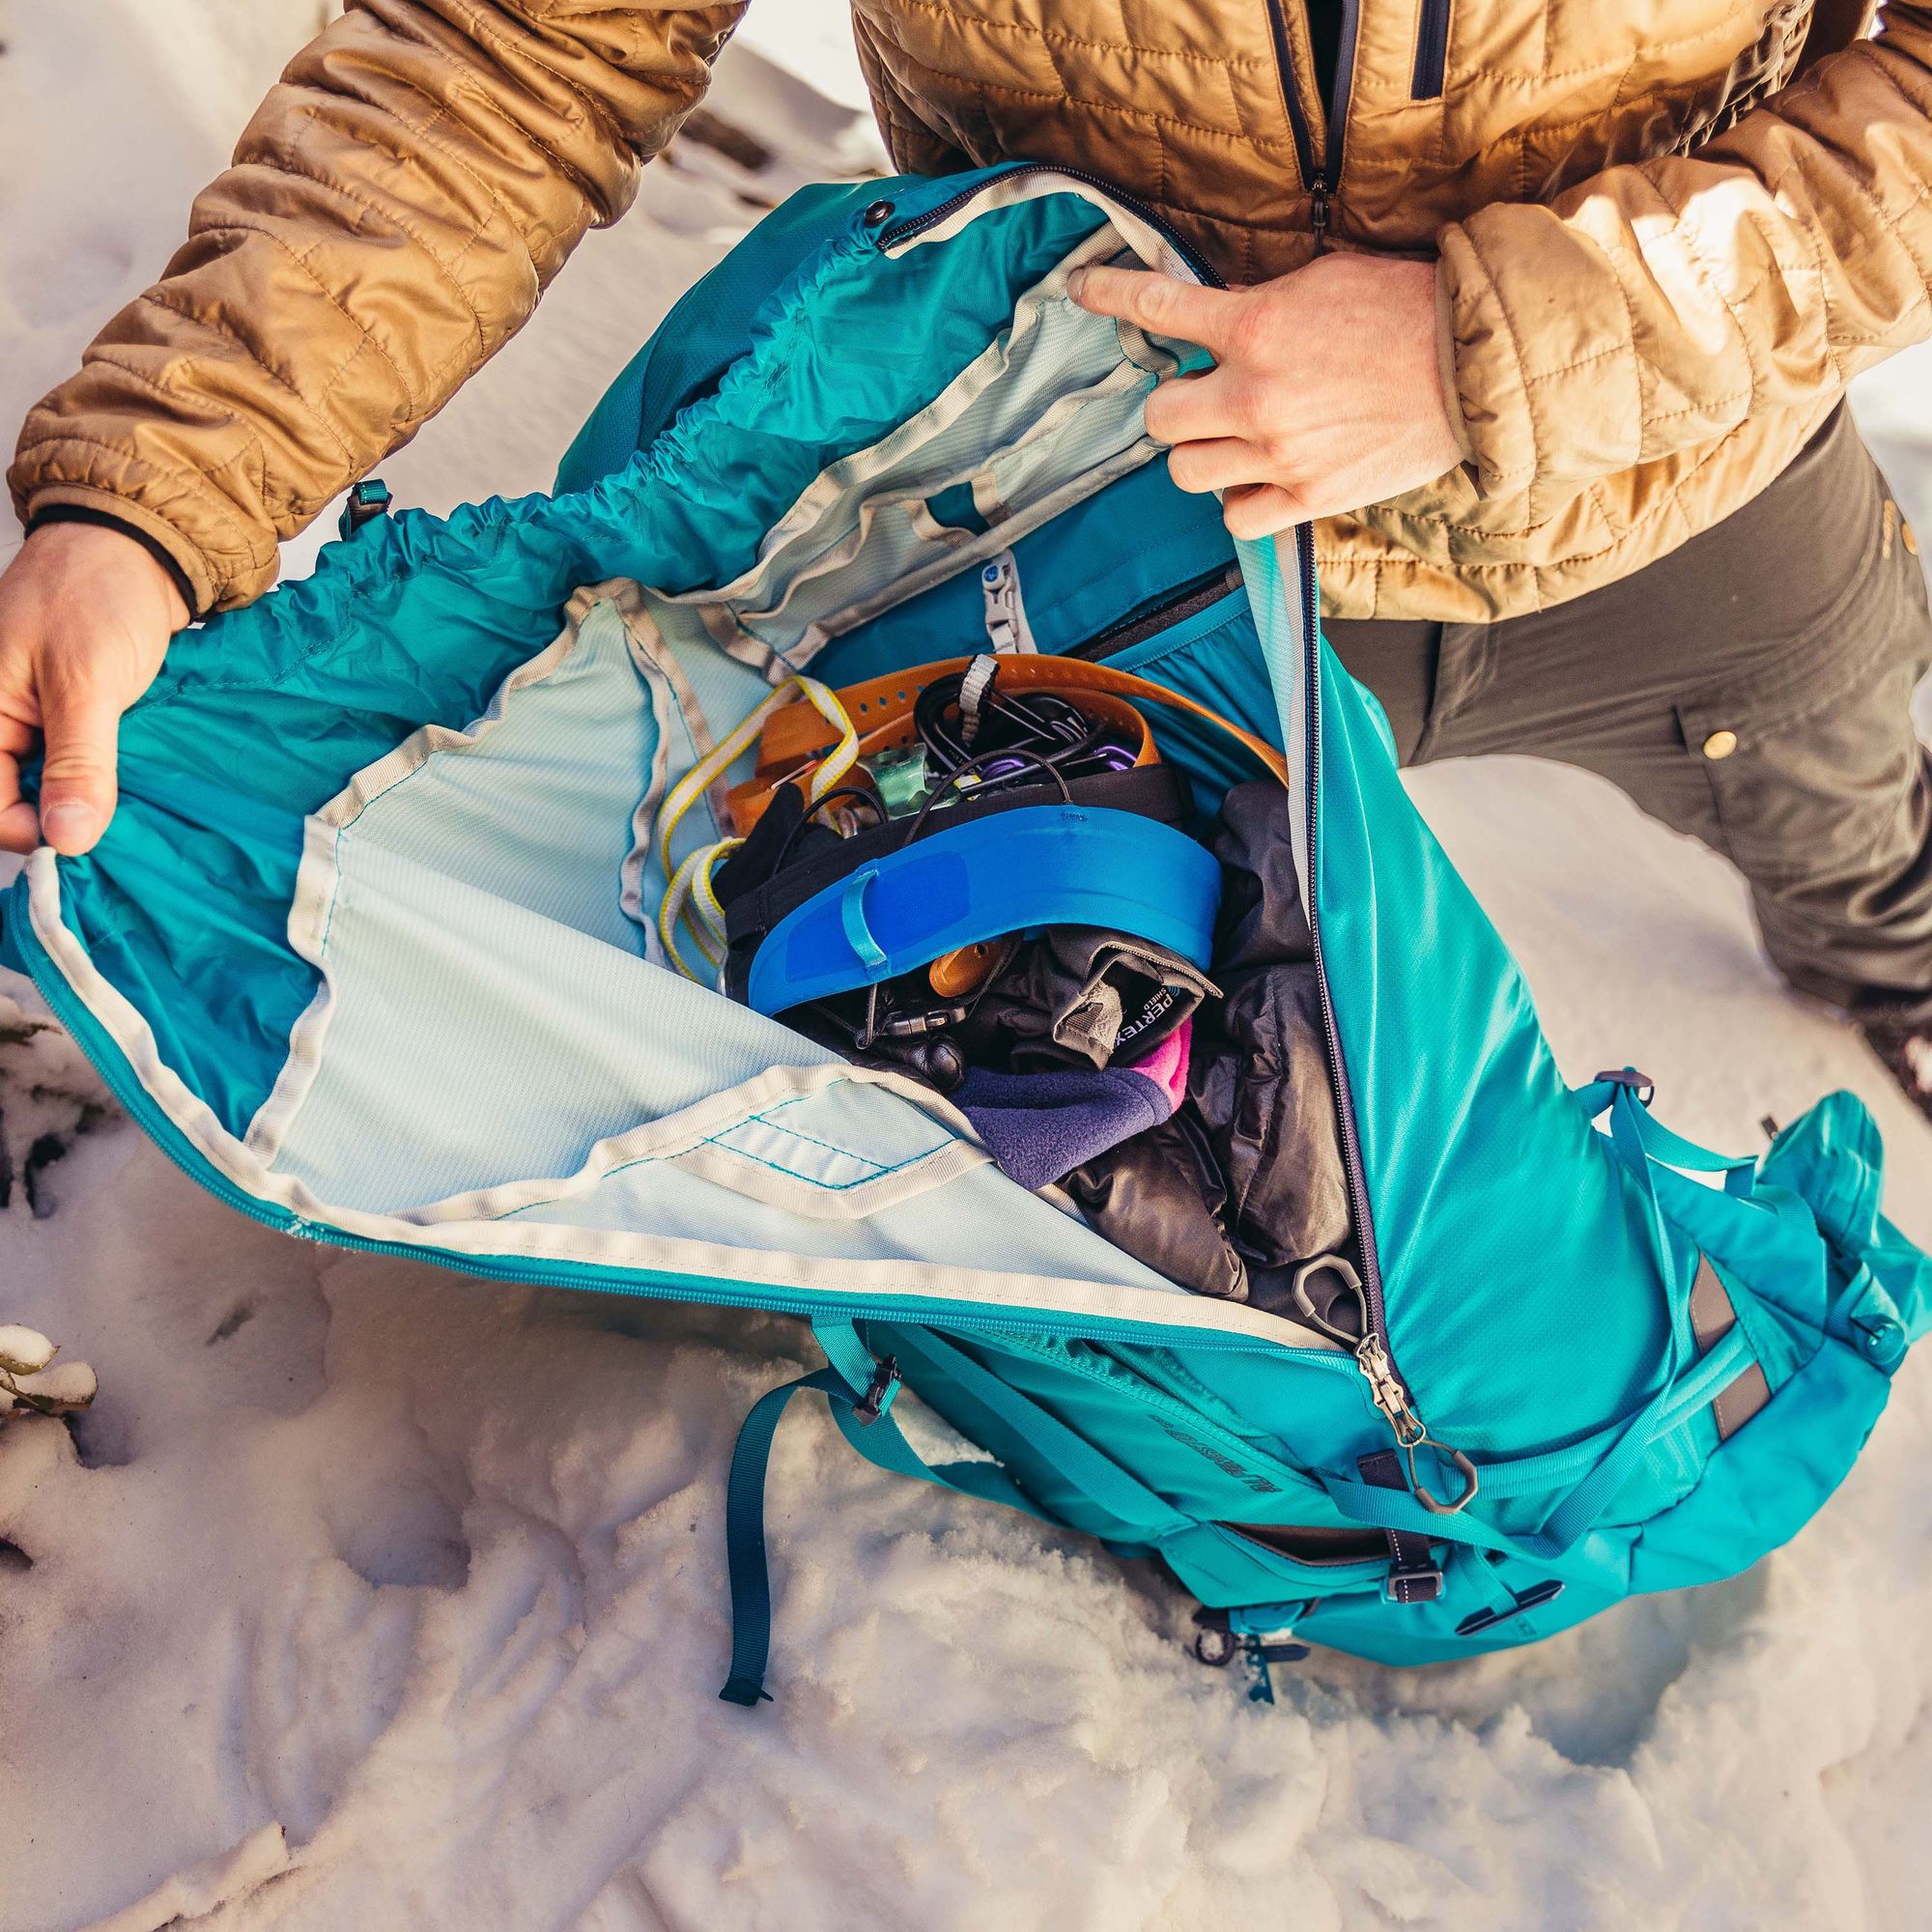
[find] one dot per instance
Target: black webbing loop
(1414, 1576)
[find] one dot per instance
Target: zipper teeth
(1345, 81)
(901, 231)
(1345, 1111)
(114, 1071)
(1198, 594)
(1431, 51)
(1291, 95)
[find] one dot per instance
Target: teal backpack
(368, 951)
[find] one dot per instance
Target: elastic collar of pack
(1039, 866)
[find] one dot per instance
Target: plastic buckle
(1281, 1651)
(879, 1392)
(1534, 1598)
(1222, 1635)
(1420, 1586)
(1639, 1084)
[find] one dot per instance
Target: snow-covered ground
(370, 1597)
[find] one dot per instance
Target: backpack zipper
(1170, 608)
(1372, 1355)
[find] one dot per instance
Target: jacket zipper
(1322, 174)
(1316, 179)
(1431, 51)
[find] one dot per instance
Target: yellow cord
(689, 894)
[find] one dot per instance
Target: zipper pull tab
(1005, 612)
(1411, 1433)
(1385, 1386)
(1387, 1391)
(1317, 210)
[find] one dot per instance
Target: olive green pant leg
(1752, 689)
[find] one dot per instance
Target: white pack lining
(533, 1244)
(314, 903)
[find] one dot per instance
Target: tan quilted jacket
(1660, 255)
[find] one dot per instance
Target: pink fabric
(1167, 1064)
(1040, 1126)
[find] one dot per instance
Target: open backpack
(370, 950)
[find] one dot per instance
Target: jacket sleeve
(394, 209)
(1655, 306)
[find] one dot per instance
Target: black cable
(813, 808)
(950, 783)
(1041, 721)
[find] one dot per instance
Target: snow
(369, 1596)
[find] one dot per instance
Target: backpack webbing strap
(1641, 1131)
(1143, 1515)
(861, 1392)
(883, 1443)
(1640, 1138)
(745, 1535)
(1413, 1576)
(1606, 1462)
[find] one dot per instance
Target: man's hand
(1326, 392)
(85, 618)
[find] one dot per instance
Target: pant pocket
(1822, 793)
